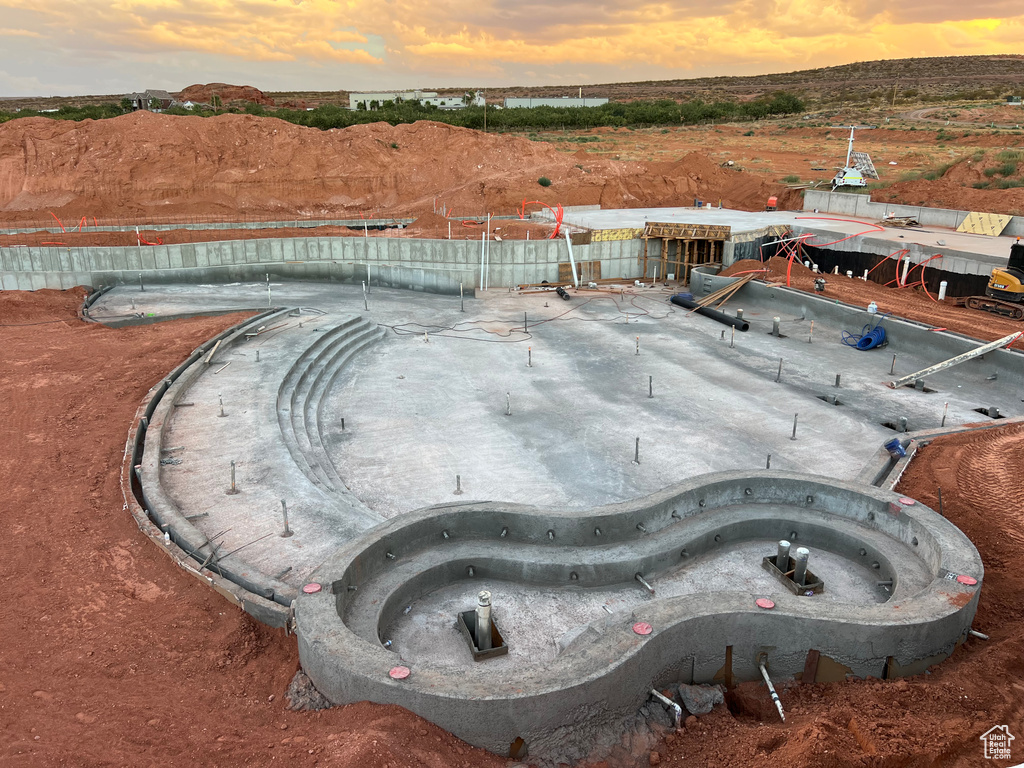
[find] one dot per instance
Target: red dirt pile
(161, 167)
(982, 182)
(229, 94)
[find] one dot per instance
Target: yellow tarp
(991, 224)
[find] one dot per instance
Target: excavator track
(996, 307)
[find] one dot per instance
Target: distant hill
(927, 80)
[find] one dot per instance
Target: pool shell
(566, 708)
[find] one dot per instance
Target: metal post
(650, 386)
(782, 558)
(940, 502)
(483, 244)
(945, 410)
(732, 339)
(342, 425)
(778, 376)
(458, 485)
(739, 314)
(462, 299)
(892, 368)
(257, 355)
(284, 511)
(811, 334)
(483, 621)
(837, 379)
(636, 456)
(221, 399)
(795, 417)
(529, 357)
(233, 490)
(800, 569)
(640, 577)
(269, 300)
(768, 463)
(524, 323)
(508, 403)
(365, 305)
(775, 325)
(141, 286)
(638, 345)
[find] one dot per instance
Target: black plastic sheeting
(957, 284)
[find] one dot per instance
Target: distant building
(378, 100)
(153, 100)
(564, 101)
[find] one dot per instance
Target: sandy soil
(111, 656)
(144, 167)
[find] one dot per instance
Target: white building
(564, 101)
(367, 100)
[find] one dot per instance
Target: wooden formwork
(683, 247)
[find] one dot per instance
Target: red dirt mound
(203, 94)
(157, 168)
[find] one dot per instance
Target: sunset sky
(73, 47)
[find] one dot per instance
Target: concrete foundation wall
(852, 204)
(431, 265)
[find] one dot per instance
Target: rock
(690, 721)
(654, 758)
(303, 696)
(700, 699)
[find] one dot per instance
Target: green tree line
(613, 114)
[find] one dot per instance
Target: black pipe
(736, 322)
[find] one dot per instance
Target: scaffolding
(683, 247)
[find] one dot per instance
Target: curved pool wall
(901, 334)
(592, 688)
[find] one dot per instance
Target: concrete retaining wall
(431, 265)
(852, 204)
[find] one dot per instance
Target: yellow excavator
(1005, 292)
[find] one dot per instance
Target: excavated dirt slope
(158, 168)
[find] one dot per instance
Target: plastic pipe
(771, 690)
(670, 704)
(942, 291)
(736, 322)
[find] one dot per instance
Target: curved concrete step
(328, 360)
(313, 413)
(286, 390)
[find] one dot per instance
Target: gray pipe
(483, 621)
(800, 570)
(782, 558)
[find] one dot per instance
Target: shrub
(394, 145)
(981, 184)
(544, 181)
(791, 179)
(749, 133)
